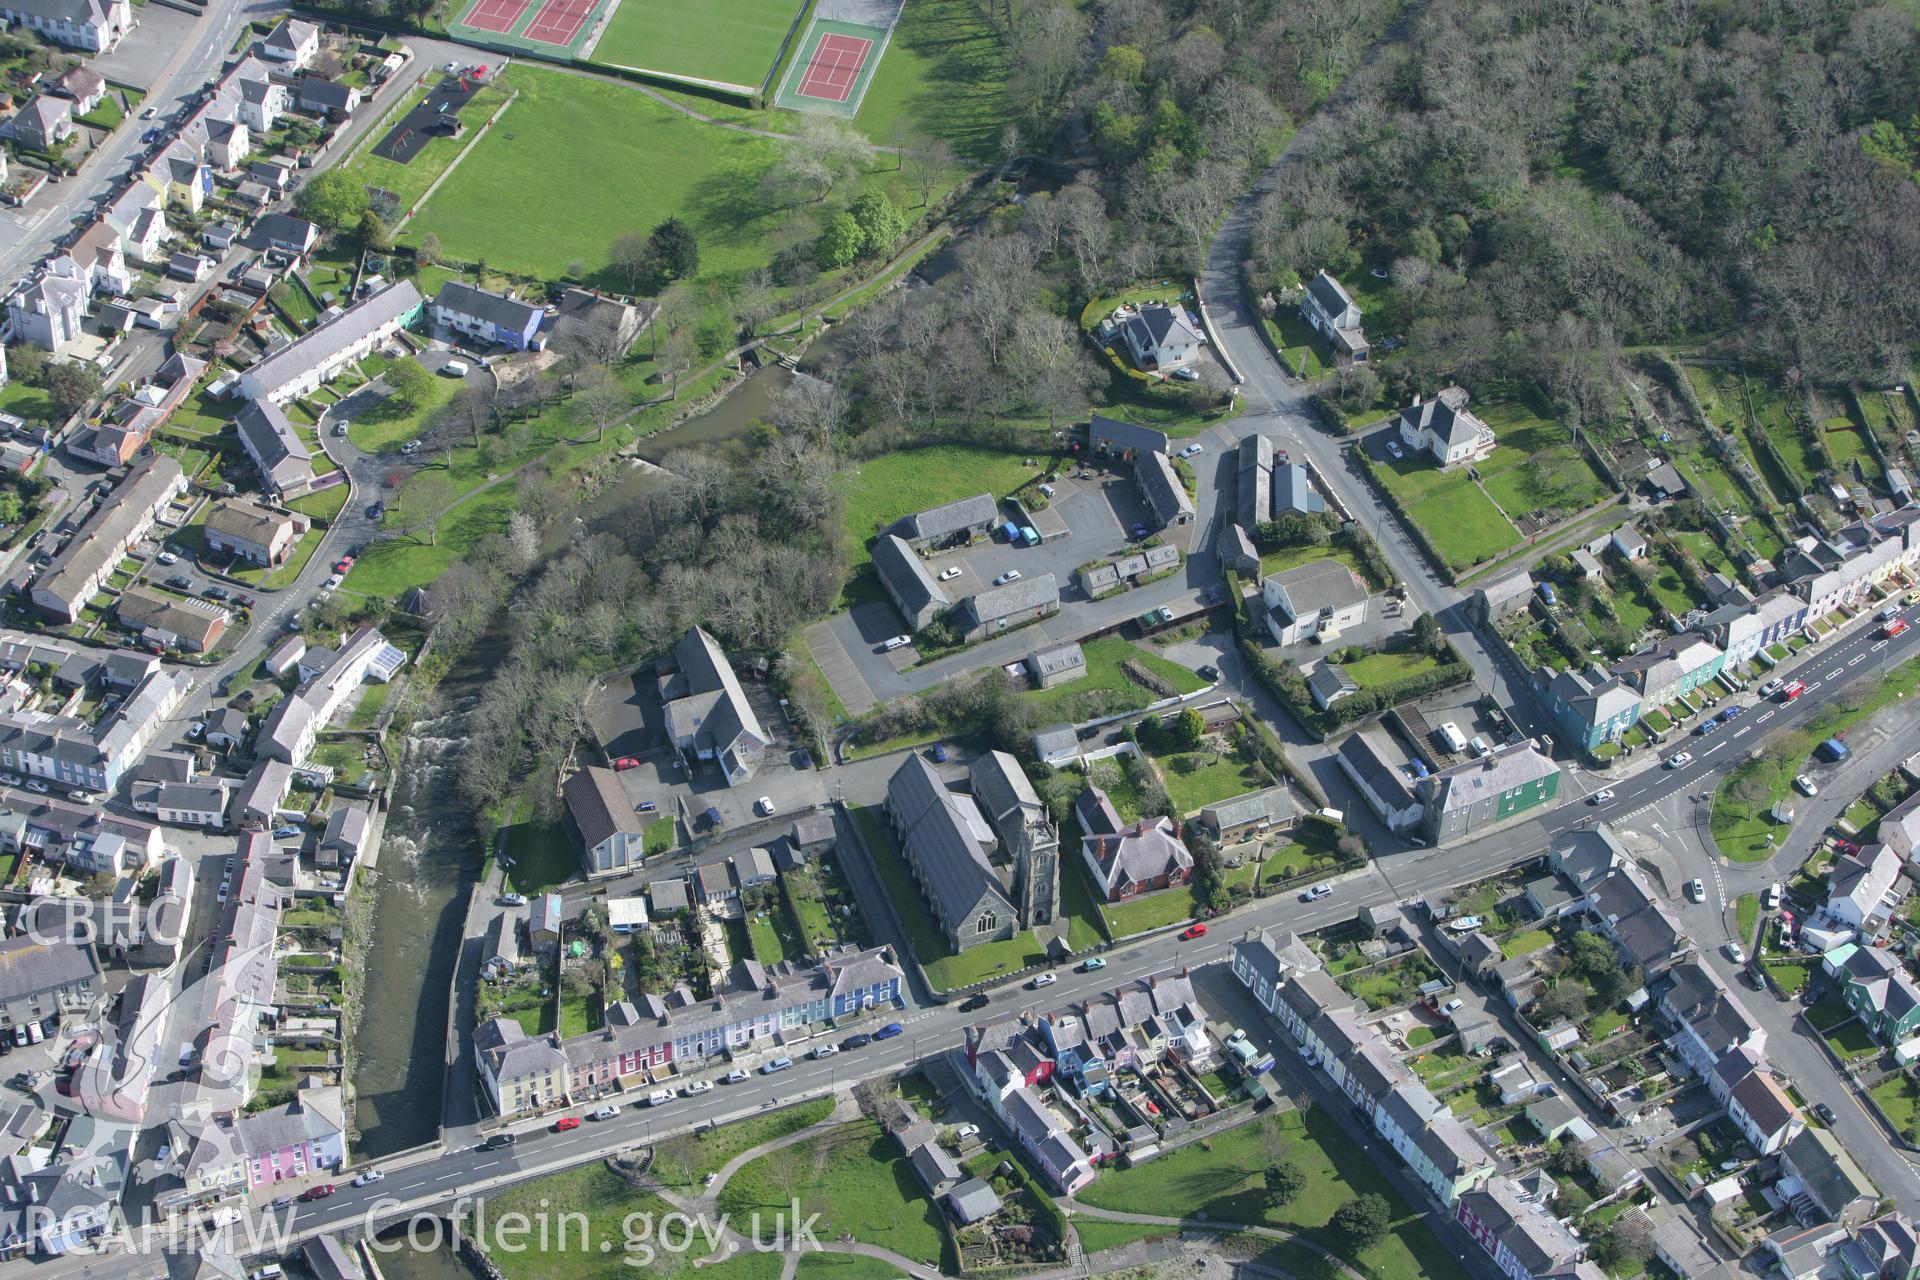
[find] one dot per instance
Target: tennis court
(498, 16)
(729, 43)
(834, 66)
(551, 29)
(559, 21)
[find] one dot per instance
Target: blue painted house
(1590, 707)
(1075, 1057)
(486, 318)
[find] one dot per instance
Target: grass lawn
(1668, 587)
(1096, 1235)
(24, 401)
(1827, 1014)
(881, 490)
(1105, 689)
(410, 181)
(1463, 525)
(1293, 557)
(733, 42)
(1152, 911)
(574, 1251)
(324, 504)
(1536, 466)
(1196, 779)
(1899, 1097)
(773, 936)
(944, 75)
(1849, 446)
(684, 1162)
(543, 856)
(641, 163)
(1224, 1185)
(391, 423)
(1524, 944)
(393, 565)
(1389, 667)
(851, 1175)
(1791, 975)
(1746, 914)
(1739, 823)
(658, 836)
(371, 703)
(1852, 1041)
(1302, 349)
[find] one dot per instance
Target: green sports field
(732, 42)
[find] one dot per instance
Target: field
(1536, 466)
(1221, 1181)
(616, 161)
(410, 181)
(943, 75)
(393, 565)
(1463, 524)
(851, 1175)
(733, 42)
(881, 490)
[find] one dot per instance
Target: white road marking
(1767, 717)
(1715, 747)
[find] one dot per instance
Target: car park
(949, 573)
(1193, 931)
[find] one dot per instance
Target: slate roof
(907, 577)
(1307, 589)
(1293, 490)
(316, 347)
(948, 838)
(1329, 293)
(1014, 597)
(485, 304)
(275, 446)
(1162, 487)
(1114, 435)
(599, 806)
(948, 518)
(1270, 804)
(1138, 853)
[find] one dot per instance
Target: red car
(1793, 691)
(345, 563)
(1193, 931)
(565, 1123)
(1894, 628)
(626, 762)
(320, 1192)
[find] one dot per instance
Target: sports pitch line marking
(497, 16)
(835, 67)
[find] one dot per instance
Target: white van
(454, 368)
(1451, 735)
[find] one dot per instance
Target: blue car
(889, 1031)
(1730, 713)
(1706, 727)
(285, 833)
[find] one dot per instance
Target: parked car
(180, 582)
(775, 1064)
(565, 1123)
(824, 1051)
(1193, 931)
(949, 573)
(895, 642)
(1706, 727)
(1011, 575)
(1771, 687)
(35, 785)
(739, 1075)
(889, 1031)
(1394, 450)
(1680, 760)
(1453, 1006)
(339, 429)
(167, 557)
(973, 1002)
(1192, 449)
(1094, 964)
(1735, 953)
(1185, 375)
(1730, 713)
(660, 1097)
(1209, 673)
(343, 564)
(764, 806)
(1891, 612)
(1825, 1113)
(1043, 980)
(1316, 893)
(1771, 898)
(626, 762)
(860, 1039)
(513, 900)
(285, 833)
(245, 601)
(496, 1141)
(697, 1086)
(215, 593)
(966, 1133)
(1804, 785)
(368, 1177)
(318, 1192)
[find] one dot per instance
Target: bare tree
(754, 301)
(673, 357)
(523, 542)
(599, 400)
(927, 160)
(812, 407)
(631, 256)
